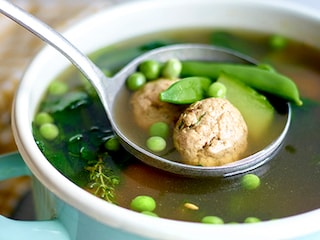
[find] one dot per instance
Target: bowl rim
(112, 215)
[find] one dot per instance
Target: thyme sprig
(103, 180)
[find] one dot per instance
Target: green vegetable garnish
(217, 90)
(250, 181)
(143, 203)
(103, 180)
(252, 220)
(254, 107)
(278, 42)
(171, 69)
(212, 220)
(135, 81)
(255, 77)
(186, 91)
(150, 69)
(156, 143)
(49, 131)
(160, 129)
(43, 117)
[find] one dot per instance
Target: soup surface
(288, 183)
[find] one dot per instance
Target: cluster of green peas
(146, 204)
(48, 129)
(149, 70)
(158, 133)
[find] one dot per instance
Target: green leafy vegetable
(71, 100)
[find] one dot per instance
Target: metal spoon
(107, 89)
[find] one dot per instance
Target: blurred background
(17, 48)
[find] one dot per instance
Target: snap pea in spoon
(108, 88)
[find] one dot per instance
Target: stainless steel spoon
(107, 89)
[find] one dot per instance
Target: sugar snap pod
(255, 77)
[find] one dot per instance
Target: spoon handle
(56, 40)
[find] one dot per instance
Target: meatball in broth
(211, 132)
(148, 108)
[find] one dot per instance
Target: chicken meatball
(148, 108)
(211, 132)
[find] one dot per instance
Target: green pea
(112, 144)
(135, 81)
(58, 88)
(252, 220)
(278, 42)
(156, 143)
(49, 131)
(217, 90)
(172, 68)
(150, 69)
(212, 220)
(43, 117)
(250, 181)
(152, 214)
(143, 203)
(160, 129)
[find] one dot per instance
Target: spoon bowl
(190, 52)
(108, 88)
